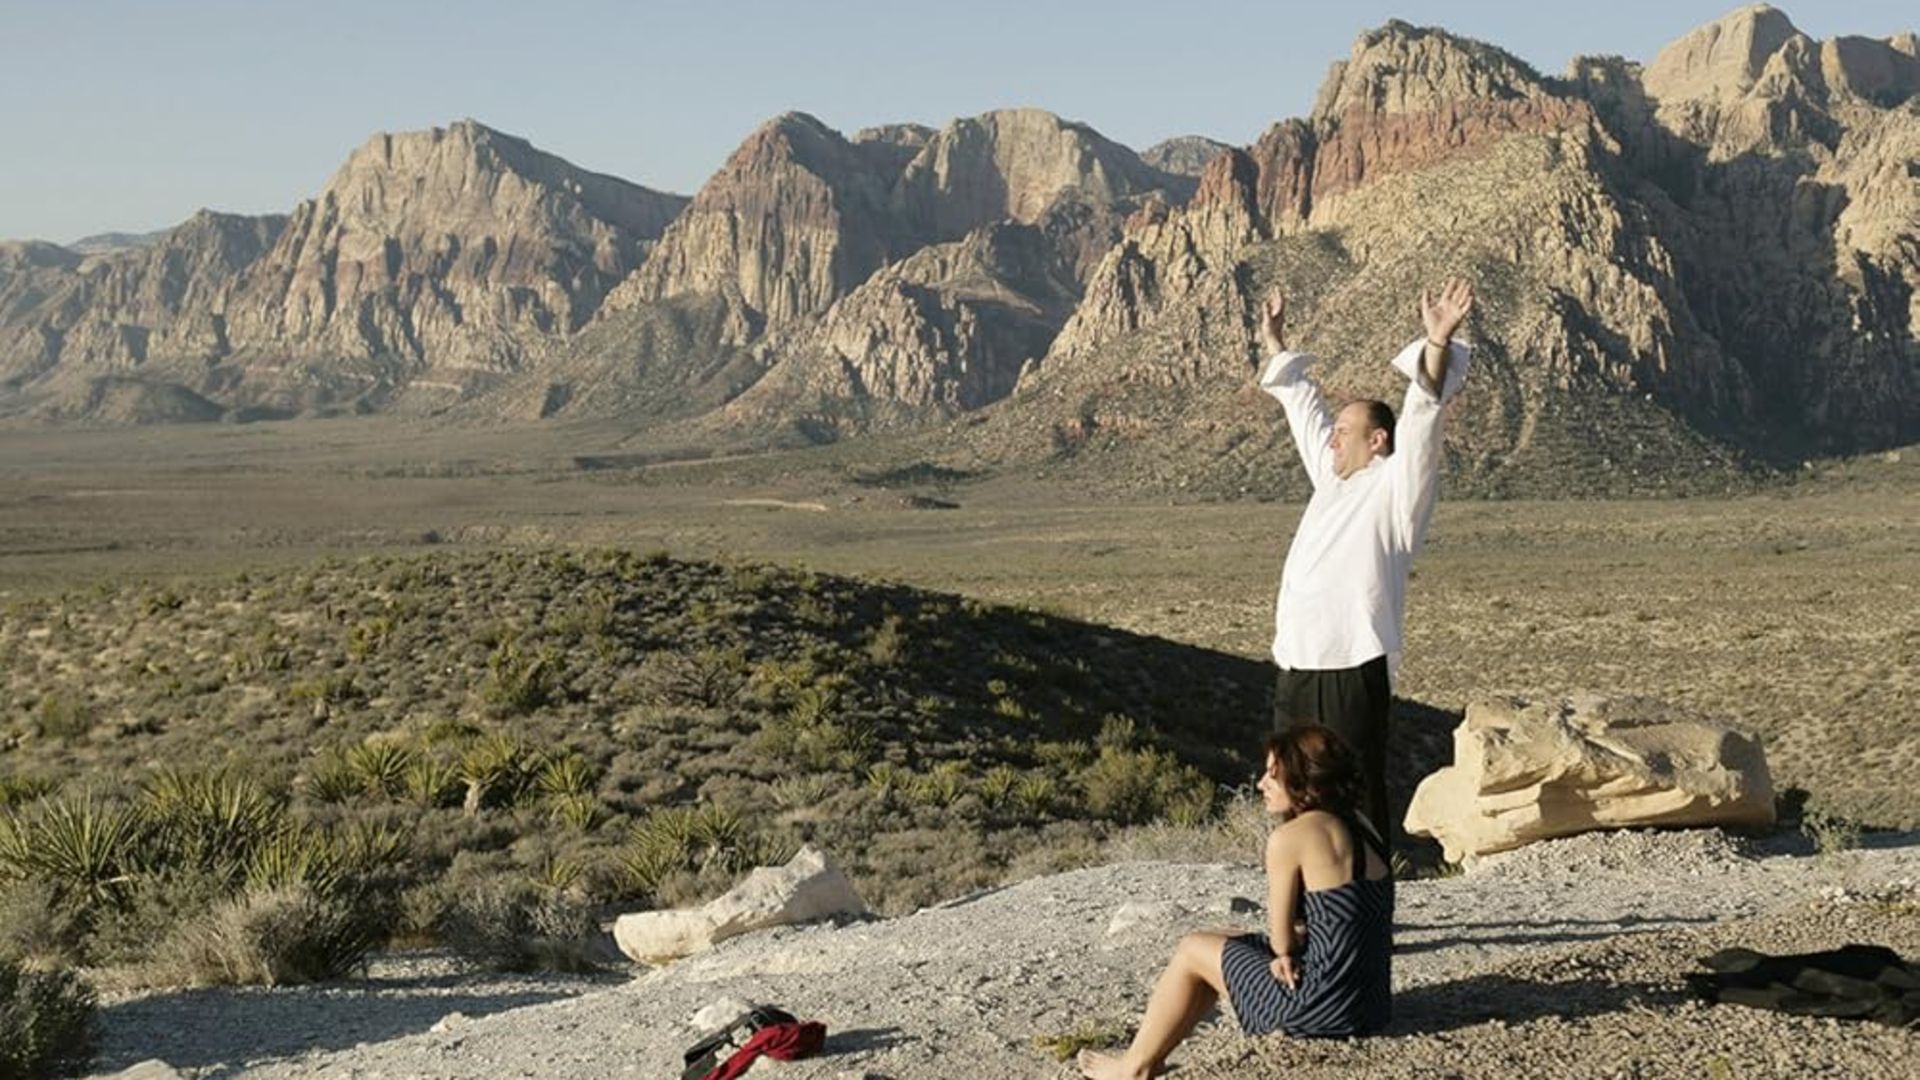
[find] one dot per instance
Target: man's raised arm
(1284, 375)
(1435, 369)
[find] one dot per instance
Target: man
(1343, 591)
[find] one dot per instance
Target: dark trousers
(1356, 704)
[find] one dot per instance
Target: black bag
(1860, 982)
(715, 1048)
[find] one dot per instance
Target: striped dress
(1345, 975)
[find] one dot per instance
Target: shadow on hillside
(1537, 932)
(220, 1029)
(1424, 1010)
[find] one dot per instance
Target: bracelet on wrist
(1437, 344)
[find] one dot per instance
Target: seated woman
(1326, 865)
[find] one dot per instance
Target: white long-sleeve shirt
(1343, 593)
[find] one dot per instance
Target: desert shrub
(887, 645)
(566, 775)
(1238, 834)
(36, 927)
(1134, 786)
(519, 683)
(19, 790)
(1831, 833)
(46, 1022)
(1035, 794)
(581, 813)
(63, 715)
(367, 635)
(1088, 1035)
(708, 677)
(510, 924)
(997, 785)
(802, 792)
(815, 733)
(1068, 756)
(885, 778)
(943, 785)
(271, 935)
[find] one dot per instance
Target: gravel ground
(1560, 959)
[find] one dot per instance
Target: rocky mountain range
(1685, 267)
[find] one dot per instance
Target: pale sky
(117, 115)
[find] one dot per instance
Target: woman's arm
(1283, 895)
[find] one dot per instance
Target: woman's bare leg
(1187, 989)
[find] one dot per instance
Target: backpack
(715, 1047)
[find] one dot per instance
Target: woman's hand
(1283, 973)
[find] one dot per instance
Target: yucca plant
(332, 778)
(431, 783)
(494, 768)
(997, 784)
(381, 764)
(582, 813)
(206, 819)
(82, 846)
(692, 839)
(567, 775)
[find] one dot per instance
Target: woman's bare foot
(1107, 1067)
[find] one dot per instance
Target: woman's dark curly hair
(1318, 769)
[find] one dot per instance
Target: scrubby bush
(509, 924)
(46, 1022)
(275, 935)
(1136, 786)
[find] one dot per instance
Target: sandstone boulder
(1532, 771)
(807, 888)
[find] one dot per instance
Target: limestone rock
(1130, 915)
(150, 1069)
(809, 887)
(1533, 771)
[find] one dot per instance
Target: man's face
(1355, 440)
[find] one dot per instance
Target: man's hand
(1444, 313)
(1273, 322)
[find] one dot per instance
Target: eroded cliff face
(1781, 170)
(906, 273)
(793, 221)
(427, 256)
(1649, 269)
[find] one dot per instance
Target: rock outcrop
(808, 888)
(1533, 771)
